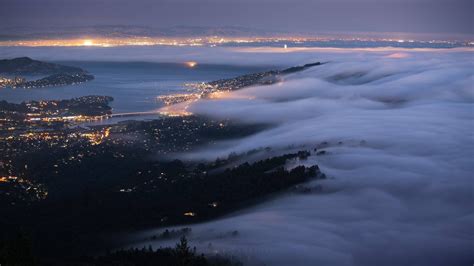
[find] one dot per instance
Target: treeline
(134, 194)
(204, 194)
(17, 251)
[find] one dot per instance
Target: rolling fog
(399, 131)
(400, 154)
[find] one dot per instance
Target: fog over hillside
(398, 126)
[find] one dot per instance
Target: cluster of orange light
(96, 138)
(178, 98)
(175, 113)
(104, 42)
(40, 135)
(5, 179)
(32, 117)
(210, 40)
(191, 64)
(143, 41)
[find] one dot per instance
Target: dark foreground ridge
(137, 193)
(18, 252)
(65, 185)
(56, 74)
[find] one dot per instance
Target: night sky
(427, 16)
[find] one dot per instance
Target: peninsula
(13, 72)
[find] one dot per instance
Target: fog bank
(398, 126)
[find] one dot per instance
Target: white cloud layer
(401, 186)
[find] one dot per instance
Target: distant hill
(259, 78)
(28, 66)
(122, 31)
(56, 74)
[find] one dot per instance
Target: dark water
(134, 85)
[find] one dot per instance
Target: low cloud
(399, 156)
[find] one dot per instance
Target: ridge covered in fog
(396, 126)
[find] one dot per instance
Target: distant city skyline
(416, 16)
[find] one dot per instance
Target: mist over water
(400, 156)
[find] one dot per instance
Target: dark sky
(428, 16)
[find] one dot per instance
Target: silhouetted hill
(28, 66)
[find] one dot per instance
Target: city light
(191, 64)
(285, 41)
